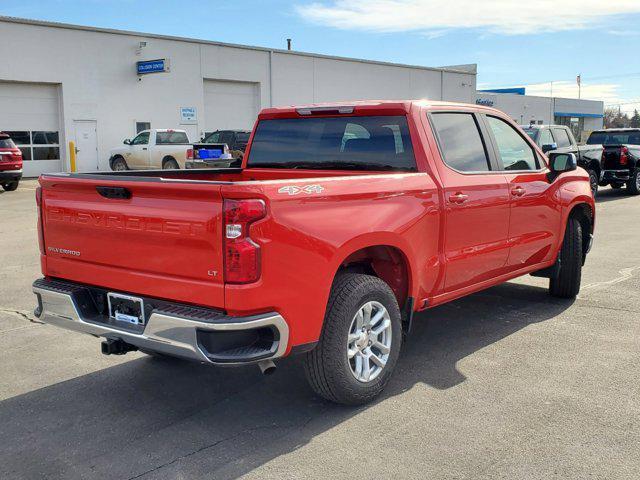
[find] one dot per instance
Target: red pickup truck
(343, 221)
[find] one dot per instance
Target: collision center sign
(152, 66)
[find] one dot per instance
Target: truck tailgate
(163, 241)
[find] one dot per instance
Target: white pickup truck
(165, 149)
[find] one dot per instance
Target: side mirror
(127, 141)
(562, 162)
(549, 146)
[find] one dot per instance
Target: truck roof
(613, 130)
(370, 105)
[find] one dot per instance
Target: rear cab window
(460, 142)
(346, 142)
(171, 138)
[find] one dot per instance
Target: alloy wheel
(369, 342)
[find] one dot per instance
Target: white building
(61, 83)
(583, 116)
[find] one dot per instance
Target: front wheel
(10, 186)
(566, 283)
(634, 183)
(360, 341)
(593, 180)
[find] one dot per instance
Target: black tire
(119, 164)
(327, 366)
(593, 180)
(617, 186)
(566, 284)
(10, 186)
(170, 164)
(634, 183)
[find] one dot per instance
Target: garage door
(230, 105)
(29, 112)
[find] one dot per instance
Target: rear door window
(349, 143)
(562, 138)
(545, 137)
(514, 151)
(460, 142)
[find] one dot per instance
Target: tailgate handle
(119, 193)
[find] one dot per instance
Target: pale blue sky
(514, 43)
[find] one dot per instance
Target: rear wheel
(169, 164)
(593, 180)
(360, 341)
(10, 186)
(566, 283)
(634, 183)
(118, 164)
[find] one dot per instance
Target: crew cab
(559, 138)
(620, 157)
(10, 163)
(343, 221)
(165, 149)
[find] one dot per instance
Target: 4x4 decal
(294, 190)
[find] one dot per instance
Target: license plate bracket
(126, 308)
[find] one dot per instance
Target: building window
(141, 126)
(37, 144)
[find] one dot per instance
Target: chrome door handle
(144, 148)
(518, 191)
(458, 198)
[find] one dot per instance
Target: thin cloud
(499, 16)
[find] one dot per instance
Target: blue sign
(152, 66)
(515, 91)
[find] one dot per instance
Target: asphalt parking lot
(507, 383)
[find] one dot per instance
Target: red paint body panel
(166, 241)
(10, 159)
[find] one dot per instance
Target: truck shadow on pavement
(155, 418)
(610, 194)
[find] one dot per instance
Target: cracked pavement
(507, 383)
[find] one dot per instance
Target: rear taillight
(624, 156)
(40, 230)
(241, 253)
(189, 153)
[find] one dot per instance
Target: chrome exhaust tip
(267, 367)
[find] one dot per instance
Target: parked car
(10, 163)
(164, 149)
(344, 221)
(620, 158)
(559, 138)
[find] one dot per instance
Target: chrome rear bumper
(172, 330)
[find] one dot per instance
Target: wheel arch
(385, 260)
(585, 214)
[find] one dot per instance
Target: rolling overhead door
(29, 113)
(230, 105)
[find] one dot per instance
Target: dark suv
(236, 140)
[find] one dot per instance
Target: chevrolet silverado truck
(343, 221)
(559, 138)
(620, 157)
(10, 163)
(165, 149)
